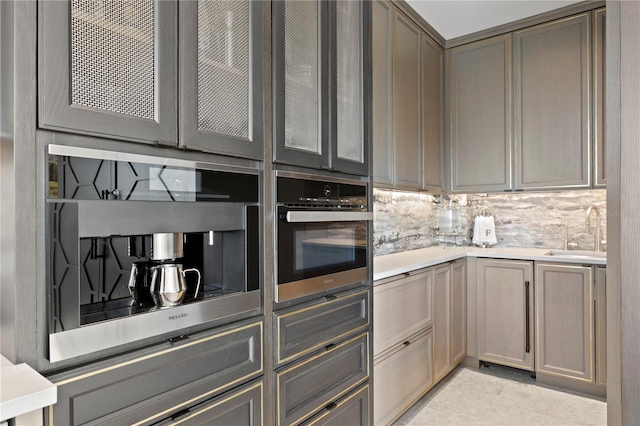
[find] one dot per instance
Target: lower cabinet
(601, 326)
(505, 312)
(565, 321)
(161, 382)
(352, 410)
(401, 376)
(317, 382)
(449, 317)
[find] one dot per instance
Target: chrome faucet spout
(597, 240)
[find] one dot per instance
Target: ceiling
(455, 18)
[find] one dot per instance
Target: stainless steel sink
(578, 254)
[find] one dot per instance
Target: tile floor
(501, 396)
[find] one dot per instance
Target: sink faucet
(597, 242)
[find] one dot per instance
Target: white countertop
(23, 389)
(398, 263)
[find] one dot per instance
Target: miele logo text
(175, 317)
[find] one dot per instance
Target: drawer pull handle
(331, 406)
(330, 346)
(407, 274)
(407, 343)
(179, 414)
(175, 340)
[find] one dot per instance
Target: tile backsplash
(407, 221)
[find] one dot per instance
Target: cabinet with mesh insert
(321, 73)
(181, 74)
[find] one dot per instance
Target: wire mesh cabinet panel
(319, 84)
(109, 68)
(221, 72)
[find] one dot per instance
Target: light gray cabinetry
(441, 321)
(564, 321)
(479, 93)
(403, 307)
(382, 16)
(599, 18)
(401, 377)
(407, 102)
(109, 69)
(352, 410)
(310, 385)
(505, 312)
(552, 104)
(221, 74)
(601, 326)
(319, 84)
(160, 382)
(458, 311)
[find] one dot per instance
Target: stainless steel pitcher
(168, 287)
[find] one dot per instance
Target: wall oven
(321, 234)
(141, 246)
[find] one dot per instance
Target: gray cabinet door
(305, 388)
(301, 81)
(402, 377)
(221, 74)
(382, 101)
(109, 69)
(480, 115)
(458, 320)
(505, 310)
(407, 103)
(599, 52)
(564, 321)
(350, 76)
(432, 115)
(242, 407)
(601, 326)
(352, 410)
(442, 322)
(552, 104)
(142, 386)
(403, 307)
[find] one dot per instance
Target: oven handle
(333, 216)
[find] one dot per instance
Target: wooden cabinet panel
(243, 406)
(98, 69)
(141, 388)
(564, 321)
(599, 52)
(441, 321)
(403, 307)
(432, 115)
(382, 101)
(458, 312)
(601, 326)
(401, 378)
(352, 410)
(308, 386)
(407, 103)
(221, 75)
(552, 104)
(480, 115)
(304, 329)
(503, 312)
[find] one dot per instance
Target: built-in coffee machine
(140, 246)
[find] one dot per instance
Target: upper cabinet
(407, 102)
(520, 113)
(319, 84)
(480, 114)
(111, 69)
(552, 104)
(599, 32)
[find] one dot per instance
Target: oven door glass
(314, 249)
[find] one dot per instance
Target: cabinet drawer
(306, 329)
(352, 410)
(240, 407)
(402, 308)
(402, 378)
(308, 386)
(140, 388)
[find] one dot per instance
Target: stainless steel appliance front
(321, 234)
(143, 246)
